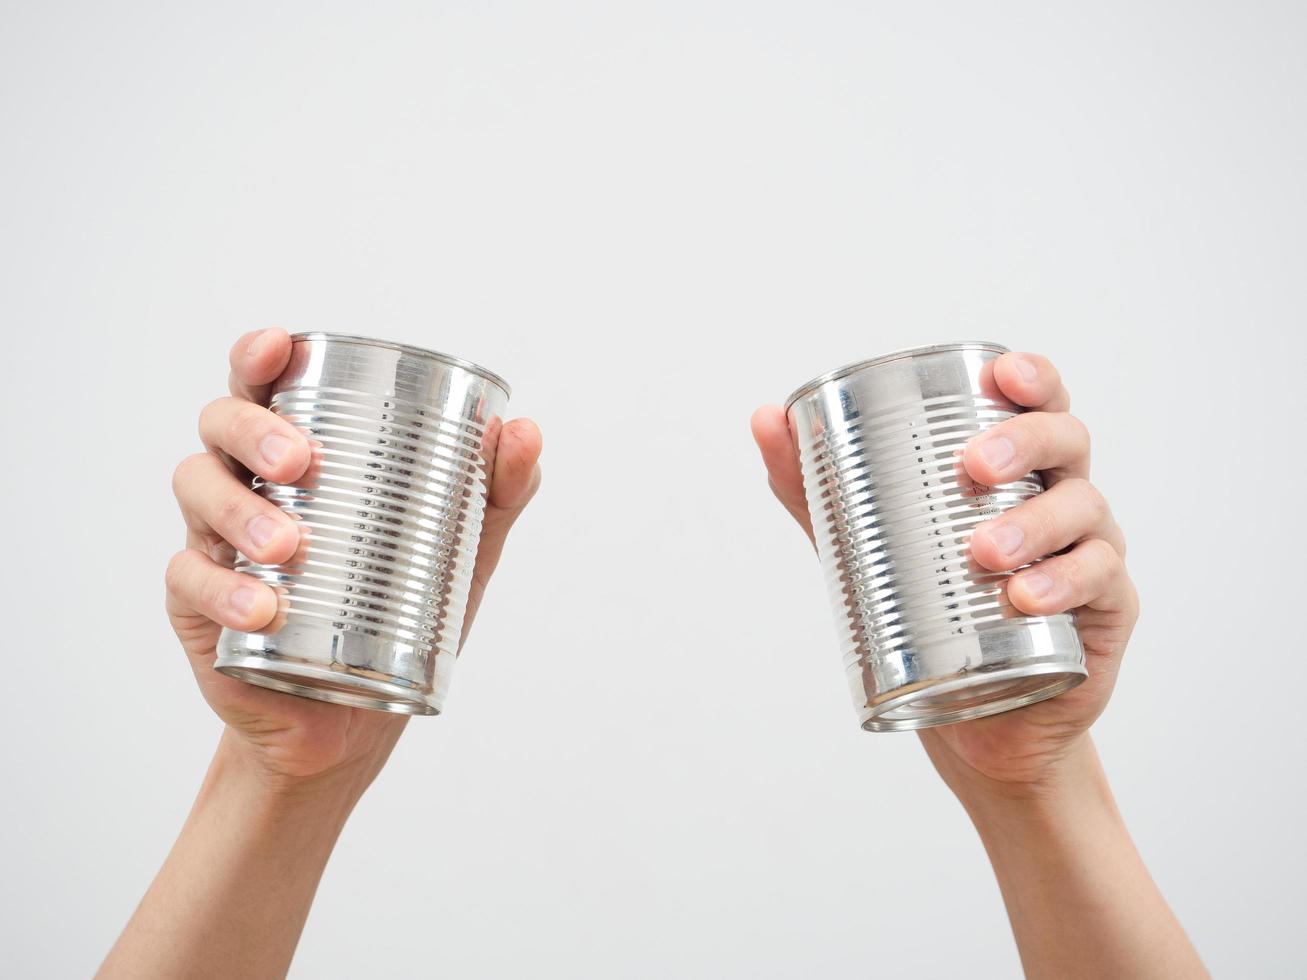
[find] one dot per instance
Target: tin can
(391, 506)
(928, 635)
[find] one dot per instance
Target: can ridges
(354, 498)
(400, 611)
(394, 484)
(415, 630)
(372, 421)
(348, 433)
(893, 510)
(425, 559)
(954, 518)
(384, 409)
(365, 514)
(392, 507)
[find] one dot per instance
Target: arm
(234, 893)
(1079, 898)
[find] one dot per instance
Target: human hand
(288, 739)
(1021, 751)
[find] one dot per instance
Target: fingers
(1092, 574)
(516, 475)
(214, 501)
(1053, 442)
(257, 359)
(1032, 382)
(260, 440)
(1071, 511)
(771, 431)
(197, 585)
(515, 481)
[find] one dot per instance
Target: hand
(288, 738)
(1021, 751)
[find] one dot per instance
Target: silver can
(391, 506)
(928, 635)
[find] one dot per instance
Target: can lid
(348, 338)
(856, 366)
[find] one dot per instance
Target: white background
(652, 218)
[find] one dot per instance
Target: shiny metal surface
(392, 504)
(928, 636)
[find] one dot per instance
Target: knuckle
(187, 470)
(1072, 572)
(245, 424)
(1033, 435)
(174, 574)
(1079, 433)
(213, 592)
(229, 511)
(1042, 525)
(1108, 563)
(211, 412)
(1094, 500)
(1132, 602)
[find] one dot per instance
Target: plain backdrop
(652, 218)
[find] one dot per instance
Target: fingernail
(257, 343)
(244, 599)
(997, 451)
(261, 530)
(1024, 368)
(1036, 584)
(273, 447)
(1007, 537)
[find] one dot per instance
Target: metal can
(928, 635)
(391, 508)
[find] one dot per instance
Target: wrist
(1068, 792)
(1069, 810)
(241, 769)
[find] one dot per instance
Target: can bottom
(978, 695)
(337, 685)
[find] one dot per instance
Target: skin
(1080, 900)
(234, 893)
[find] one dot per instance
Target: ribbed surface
(893, 510)
(394, 515)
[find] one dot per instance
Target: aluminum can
(928, 635)
(391, 507)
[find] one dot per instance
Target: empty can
(392, 504)
(928, 635)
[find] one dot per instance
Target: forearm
(1080, 900)
(234, 893)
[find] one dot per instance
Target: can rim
(350, 338)
(847, 369)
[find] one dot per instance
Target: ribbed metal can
(928, 635)
(391, 507)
